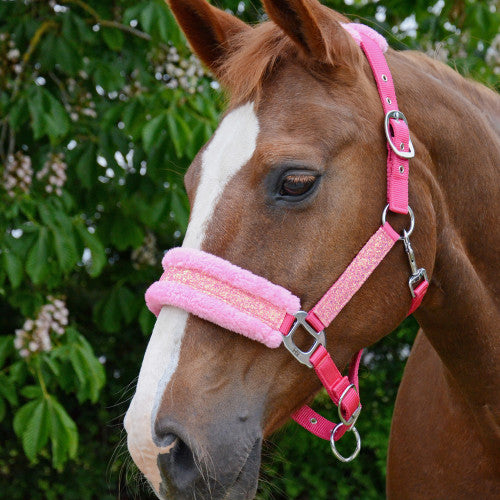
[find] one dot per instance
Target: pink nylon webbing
(354, 276)
(397, 167)
(322, 427)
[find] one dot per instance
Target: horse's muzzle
(226, 467)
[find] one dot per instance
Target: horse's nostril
(166, 441)
(178, 463)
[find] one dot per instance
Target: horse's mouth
(245, 485)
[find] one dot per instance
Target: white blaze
(231, 147)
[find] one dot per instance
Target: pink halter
(234, 298)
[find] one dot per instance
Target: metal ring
(356, 413)
(334, 447)
(412, 220)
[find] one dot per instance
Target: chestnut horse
(290, 187)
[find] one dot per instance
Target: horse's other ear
(315, 29)
(207, 29)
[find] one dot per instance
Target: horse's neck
(456, 126)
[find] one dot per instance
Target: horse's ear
(314, 28)
(207, 29)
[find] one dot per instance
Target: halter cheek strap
(234, 298)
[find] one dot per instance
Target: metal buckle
(398, 115)
(355, 415)
(417, 274)
(412, 221)
(319, 339)
(334, 447)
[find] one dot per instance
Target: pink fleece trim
(209, 308)
(356, 30)
(233, 275)
(220, 292)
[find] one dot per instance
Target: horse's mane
(254, 54)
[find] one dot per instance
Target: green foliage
(99, 120)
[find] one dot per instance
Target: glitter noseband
(234, 298)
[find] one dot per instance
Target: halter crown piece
(234, 298)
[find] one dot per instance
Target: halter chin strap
(234, 298)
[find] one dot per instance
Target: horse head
(290, 187)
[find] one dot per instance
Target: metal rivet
(384, 77)
(313, 421)
(401, 169)
(388, 99)
(402, 146)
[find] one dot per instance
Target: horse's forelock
(254, 55)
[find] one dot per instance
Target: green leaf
(94, 371)
(179, 133)
(119, 307)
(167, 26)
(67, 56)
(3, 409)
(146, 320)
(61, 228)
(53, 364)
(113, 37)
(107, 313)
(18, 113)
(32, 391)
(86, 166)
(38, 114)
(57, 119)
(133, 12)
(8, 389)
(23, 416)
(6, 348)
(128, 303)
(180, 208)
(18, 372)
(14, 268)
(36, 264)
(97, 250)
(64, 244)
(126, 233)
(148, 16)
(63, 434)
(152, 131)
(36, 431)
(108, 77)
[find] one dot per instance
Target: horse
(290, 187)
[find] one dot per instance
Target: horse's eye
(297, 185)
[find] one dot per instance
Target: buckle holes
(384, 77)
(388, 99)
(401, 169)
(313, 421)
(402, 146)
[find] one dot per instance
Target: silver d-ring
(412, 220)
(334, 447)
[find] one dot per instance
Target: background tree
(102, 107)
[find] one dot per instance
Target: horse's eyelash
(300, 179)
